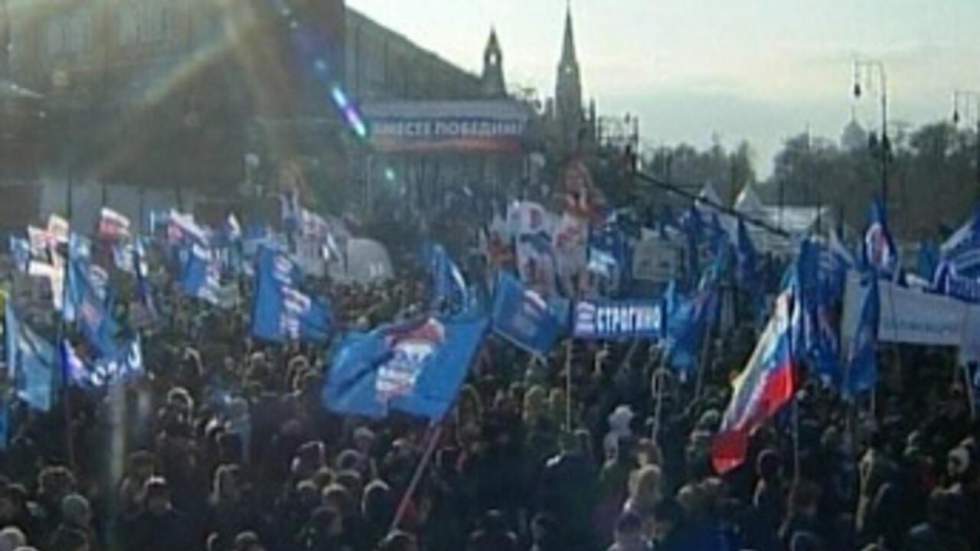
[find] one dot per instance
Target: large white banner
(907, 315)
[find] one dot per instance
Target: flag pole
(969, 390)
(796, 439)
(568, 385)
(699, 382)
(874, 402)
(416, 477)
(62, 360)
(658, 381)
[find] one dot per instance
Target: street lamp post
(964, 97)
(869, 68)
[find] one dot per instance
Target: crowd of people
(225, 444)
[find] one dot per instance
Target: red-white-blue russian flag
(765, 385)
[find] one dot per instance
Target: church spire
(493, 68)
(568, 91)
(568, 44)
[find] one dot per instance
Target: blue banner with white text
(620, 319)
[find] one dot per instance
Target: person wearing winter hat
(11, 538)
(364, 439)
(941, 530)
(957, 466)
(629, 534)
(619, 429)
(159, 526)
(76, 518)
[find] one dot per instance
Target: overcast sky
(755, 69)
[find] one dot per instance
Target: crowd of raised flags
(802, 329)
(548, 276)
(94, 345)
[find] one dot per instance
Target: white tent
(794, 220)
(748, 202)
(708, 198)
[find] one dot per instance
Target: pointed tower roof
(568, 44)
(493, 70)
(492, 43)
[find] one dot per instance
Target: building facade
(170, 95)
(198, 102)
(383, 65)
(174, 95)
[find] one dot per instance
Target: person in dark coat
(669, 532)
(230, 509)
(802, 515)
(68, 539)
(15, 512)
(568, 490)
(76, 517)
(159, 527)
(629, 534)
(493, 535)
(941, 530)
(613, 489)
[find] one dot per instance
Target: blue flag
(105, 370)
(716, 232)
(747, 257)
(448, 286)
(281, 311)
(815, 330)
(880, 253)
(86, 306)
(201, 278)
(693, 227)
(966, 237)
(862, 362)
(32, 363)
(523, 317)
(143, 287)
(4, 424)
(79, 247)
(686, 325)
(948, 282)
(962, 249)
(415, 368)
(609, 251)
(721, 261)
